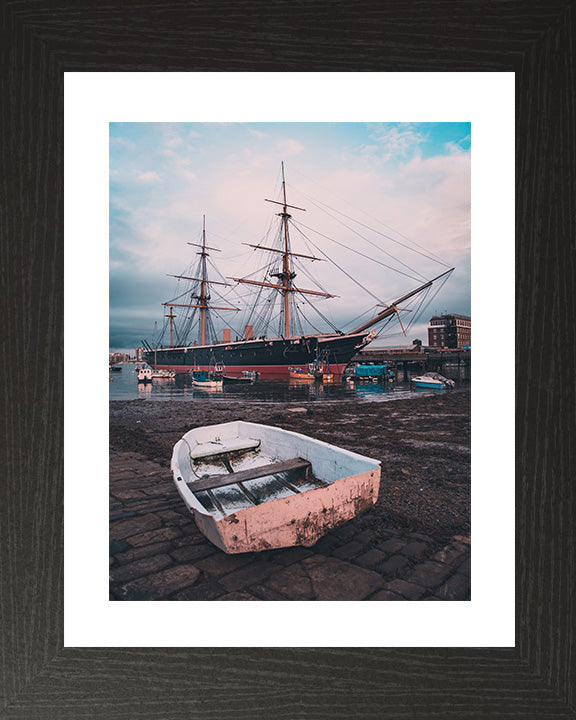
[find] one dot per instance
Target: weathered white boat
(254, 487)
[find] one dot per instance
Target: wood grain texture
(38, 677)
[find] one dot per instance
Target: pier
(420, 360)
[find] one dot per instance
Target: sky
(387, 203)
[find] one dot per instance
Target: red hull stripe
(266, 371)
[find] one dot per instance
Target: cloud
(173, 141)
(189, 175)
(394, 140)
(289, 147)
(123, 143)
(148, 177)
(455, 148)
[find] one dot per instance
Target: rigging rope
(357, 252)
(428, 255)
(373, 244)
(342, 269)
(326, 320)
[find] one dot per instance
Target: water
(125, 386)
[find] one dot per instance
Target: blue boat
(432, 381)
(373, 371)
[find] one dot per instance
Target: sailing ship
(271, 357)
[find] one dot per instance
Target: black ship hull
(271, 358)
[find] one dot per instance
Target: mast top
(286, 274)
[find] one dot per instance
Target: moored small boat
(205, 379)
(163, 374)
(318, 370)
(144, 374)
(147, 374)
(246, 377)
(254, 487)
(366, 372)
(432, 381)
(235, 380)
(300, 374)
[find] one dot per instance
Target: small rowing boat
(205, 379)
(237, 379)
(318, 370)
(254, 487)
(300, 374)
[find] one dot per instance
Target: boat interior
(233, 466)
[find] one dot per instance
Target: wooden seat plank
(217, 481)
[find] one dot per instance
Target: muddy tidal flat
(414, 544)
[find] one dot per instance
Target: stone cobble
(158, 553)
(140, 568)
(161, 584)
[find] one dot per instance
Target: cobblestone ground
(157, 553)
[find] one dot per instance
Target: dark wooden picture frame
(39, 678)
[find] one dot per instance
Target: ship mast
(286, 275)
(203, 299)
(204, 296)
(171, 316)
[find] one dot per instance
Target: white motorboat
(432, 380)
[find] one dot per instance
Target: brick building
(116, 357)
(450, 331)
